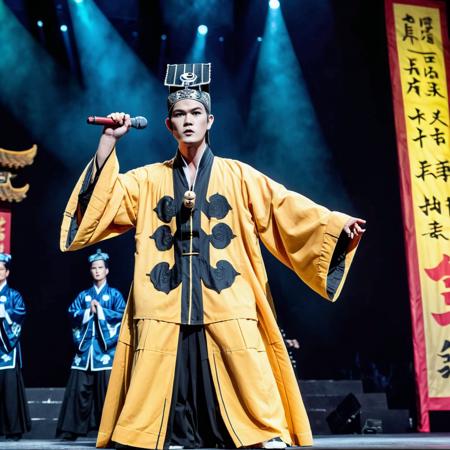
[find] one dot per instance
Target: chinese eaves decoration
(11, 159)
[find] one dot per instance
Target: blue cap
(98, 256)
(5, 258)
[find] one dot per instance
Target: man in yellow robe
(200, 360)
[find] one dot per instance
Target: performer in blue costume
(14, 415)
(96, 315)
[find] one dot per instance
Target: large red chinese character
(442, 272)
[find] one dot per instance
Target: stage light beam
(116, 79)
(43, 105)
(197, 51)
(288, 144)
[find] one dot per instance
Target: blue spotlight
(274, 4)
(202, 29)
(221, 39)
(197, 51)
(78, 1)
(278, 70)
(259, 39)
(103, 63)
(63, 28)
(39, 23)
(164, 37)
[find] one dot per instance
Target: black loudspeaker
(346, 418)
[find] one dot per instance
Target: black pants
(195, 420)
(81, 410)
(14, 415)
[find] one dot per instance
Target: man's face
(4, 272)
(189, 122)
(99, 270)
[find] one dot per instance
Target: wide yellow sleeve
(303, 235)
(112, 208)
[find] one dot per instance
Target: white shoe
(274, 443)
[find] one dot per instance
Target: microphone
(137, 122)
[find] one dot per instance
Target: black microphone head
(138, 122)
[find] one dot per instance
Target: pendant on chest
(189, 199)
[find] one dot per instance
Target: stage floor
(353, 442)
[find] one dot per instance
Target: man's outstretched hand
(353, 227)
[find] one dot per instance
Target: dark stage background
(332, 139)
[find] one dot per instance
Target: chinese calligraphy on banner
(419, 58)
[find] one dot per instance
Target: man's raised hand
(124, 123)
(353, 227)
(111, 135)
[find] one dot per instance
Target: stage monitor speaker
(346, 418)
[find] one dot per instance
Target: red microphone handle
(96, 120)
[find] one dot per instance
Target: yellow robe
(255, 385)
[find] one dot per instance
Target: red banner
(419, 65)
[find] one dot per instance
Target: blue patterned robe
(95, 335)
(10, 328)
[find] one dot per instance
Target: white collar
(98, 289)
(186, 169)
